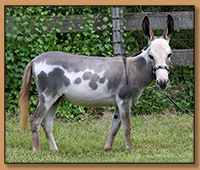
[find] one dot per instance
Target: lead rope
(177, 104)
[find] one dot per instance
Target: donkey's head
(159, 51)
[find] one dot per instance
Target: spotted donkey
(95, 81)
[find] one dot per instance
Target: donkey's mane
(139, 52)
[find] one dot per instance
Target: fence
(131, 21)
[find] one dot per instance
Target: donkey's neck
(139, 72)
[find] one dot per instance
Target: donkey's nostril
(167, 81)
(162, 84)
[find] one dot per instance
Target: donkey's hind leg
(35, 122)
(37, 117)
(114, 127)
(47, 124)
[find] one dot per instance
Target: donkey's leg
(47, 124)
(35, 122)
(37, 117)
(114, 127)
(124, 110)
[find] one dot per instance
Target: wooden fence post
(118, 22)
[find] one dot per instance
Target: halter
(168, 68)
(155, 68)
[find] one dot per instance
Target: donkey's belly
(84, 96)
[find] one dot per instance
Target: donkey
(95, 81)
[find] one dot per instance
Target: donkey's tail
(24, 96)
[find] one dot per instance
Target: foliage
(155, 139)
(37, 32)
(88, 42)
(23, 45)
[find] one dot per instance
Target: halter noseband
(161, 67)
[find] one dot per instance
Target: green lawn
(156, 139)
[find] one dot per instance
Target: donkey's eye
(169, 56)
(151, 57)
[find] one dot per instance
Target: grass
(156, 139)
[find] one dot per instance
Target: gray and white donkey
(95, 81)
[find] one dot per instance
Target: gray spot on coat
(93, 81)
(102, 80)
(52, 82)
(95, 77)
(87, 75)
(93, 85)
(77, 81)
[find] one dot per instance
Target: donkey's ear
(169, 28)
(146, 27)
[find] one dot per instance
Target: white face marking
(159, 50)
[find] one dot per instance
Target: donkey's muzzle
(163, 83)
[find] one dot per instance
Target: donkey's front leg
(124, 106)
(114, 127)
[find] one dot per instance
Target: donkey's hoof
(36, 149)
(107, 149)
(129, 147)
(54, 149)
